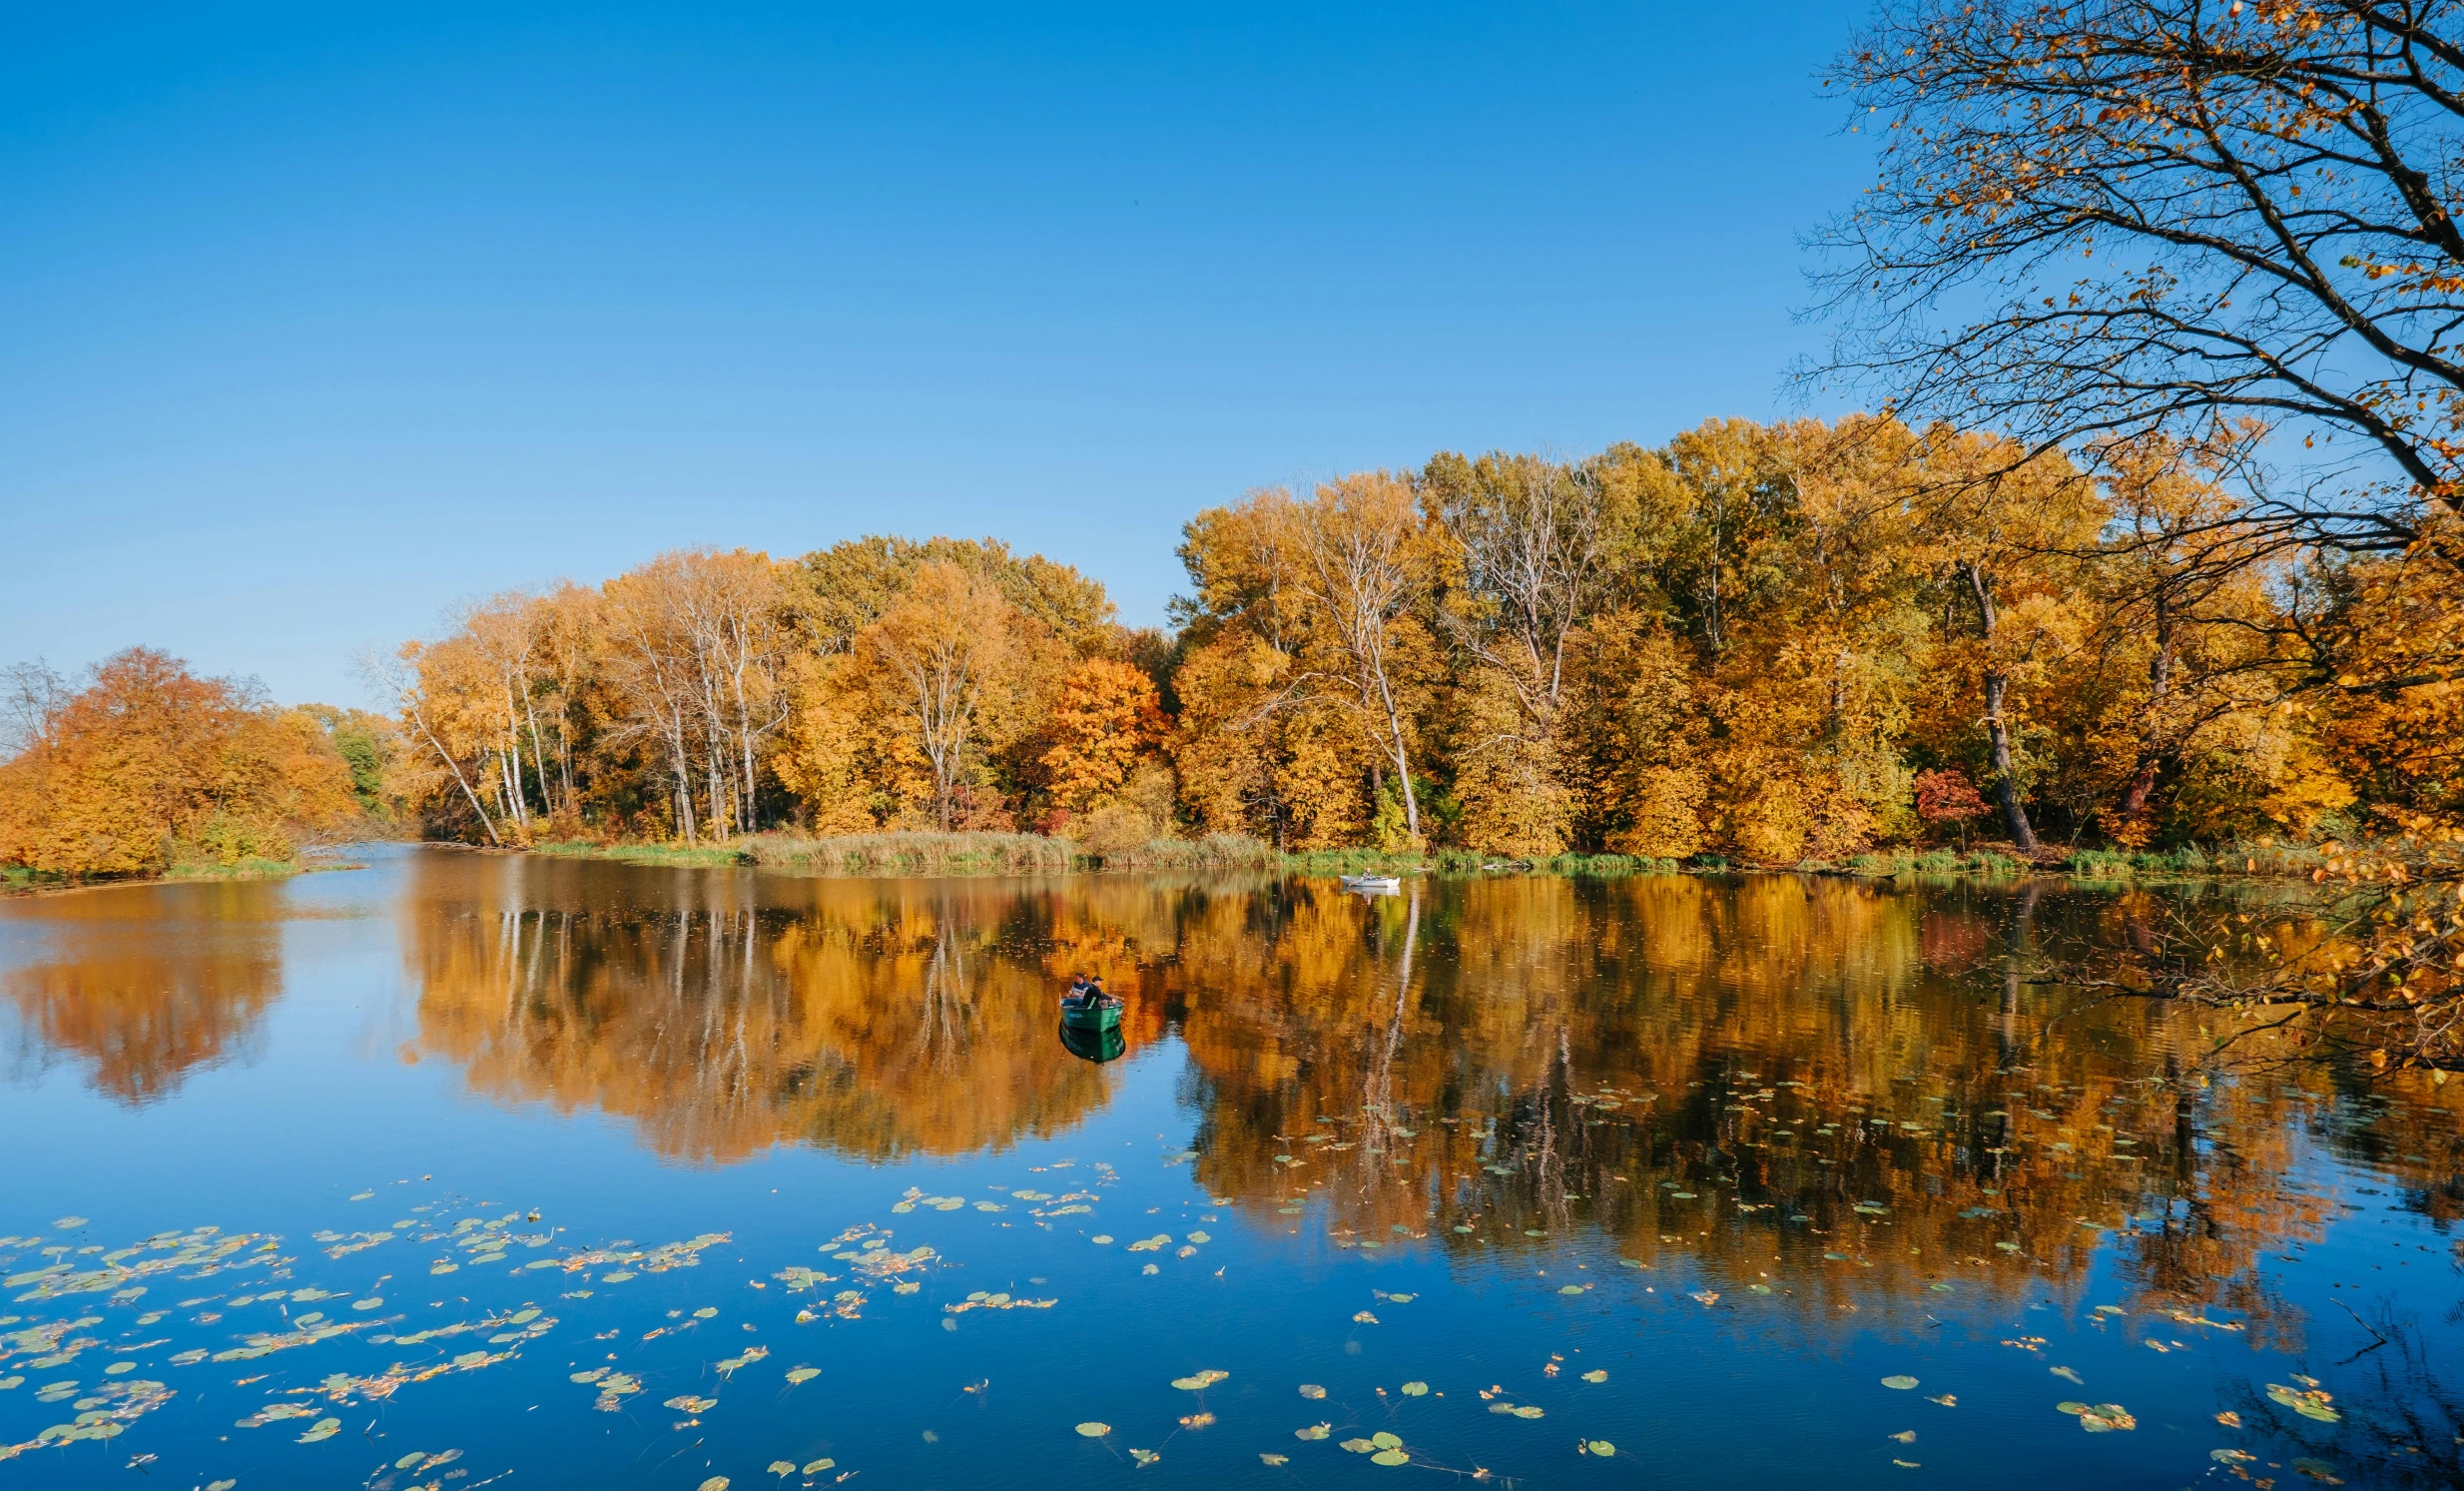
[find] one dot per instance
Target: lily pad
(323, 1428)
(1596, 1375)
(1901, 1381)
(816, 1467)
(1271, 1459)
(1313, 1431)
(802, 1375)
(1390, 1457)
(1359, 1446)
(1386, 1441)
(1600, 1447)
(1200, 1381)
(1312, 1390)
(1094, 1430)
(781, 1467)
(1415, 1389)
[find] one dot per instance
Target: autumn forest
(1761, 644)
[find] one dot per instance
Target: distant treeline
(1767, 643)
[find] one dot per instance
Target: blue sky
(322, 319)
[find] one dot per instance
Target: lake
(455, 1169)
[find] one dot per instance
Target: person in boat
(1097, 998)
(1077, 990)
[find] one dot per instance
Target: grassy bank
(16, 880)
(925, 854)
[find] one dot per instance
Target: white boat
(1377, 883)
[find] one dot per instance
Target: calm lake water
(453, 1169)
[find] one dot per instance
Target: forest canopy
(1764, 642)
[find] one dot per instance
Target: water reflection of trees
(1837, 1088)
(143, 986)
(1822, 1085)
(733, 1013)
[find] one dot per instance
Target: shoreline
(253, 870)
(2084, 867)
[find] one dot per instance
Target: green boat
(1079, 1018)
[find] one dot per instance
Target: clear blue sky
(315, 321)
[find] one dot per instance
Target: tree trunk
(1996, 729)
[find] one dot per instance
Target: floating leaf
(1312, 1390)
(1900, 1381)
(802, 1375)
(1386, 1441)
(816, 1467)
(2067, 1373)
(1144, 1457)
(781, 1467)
(1596, 1375)
(2104, 1418)
(1313, 1431)
(1904, 1436)
(715, 1483)
(706, 1312)
(1359, 1446)
(2070, 1407)
(1200, 1381)
(1600, 1447)
(1388, 1457)
(1364, 1318)
(1270, 1458)
(1094, 1430)
(1415, 1389)
(323, 1428)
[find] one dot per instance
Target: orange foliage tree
(150, 766)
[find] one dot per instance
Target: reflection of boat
(1094, 1046)
(1102, 1017)
(1376, 883)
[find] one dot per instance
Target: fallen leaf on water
(1094, 1430)
(1901, 1381)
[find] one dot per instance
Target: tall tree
(2095, 223)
